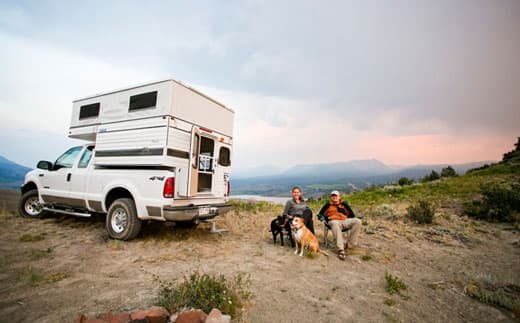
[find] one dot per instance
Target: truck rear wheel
(29, 205)
(122, 221)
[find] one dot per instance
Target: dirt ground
(51, 269)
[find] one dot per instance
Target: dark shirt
(294, 209)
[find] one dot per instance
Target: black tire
(29, 205)
(122, 222)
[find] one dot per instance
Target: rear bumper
(194, 213)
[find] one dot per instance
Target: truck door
(193, 180)
(78, 180)
(56, 182)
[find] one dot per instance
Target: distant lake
(270, 199)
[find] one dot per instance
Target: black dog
(278, 226)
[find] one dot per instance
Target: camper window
(89, 111)
(143, 101)
(224, 156)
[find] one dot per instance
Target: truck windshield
(67, 159)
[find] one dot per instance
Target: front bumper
(195, 212)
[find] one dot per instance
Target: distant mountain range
(317, 179)
(11, 174)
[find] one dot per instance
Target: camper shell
(162, 124)
(160, 151)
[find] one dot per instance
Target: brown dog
(304, 237)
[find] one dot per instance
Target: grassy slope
(452, 191)
(449, 192)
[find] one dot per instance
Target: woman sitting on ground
(297, 207)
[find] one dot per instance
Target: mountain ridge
(11, 173)
(316, 179)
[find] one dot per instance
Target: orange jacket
(340, 211)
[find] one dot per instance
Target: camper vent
(143, 101)
(89, 111)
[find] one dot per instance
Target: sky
(404, 82)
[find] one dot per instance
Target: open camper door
(194, 162)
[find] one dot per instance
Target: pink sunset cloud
(431, 149)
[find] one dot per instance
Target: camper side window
(224, 156)
(143, 101)
(89, 111)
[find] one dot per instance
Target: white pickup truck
(158, 151)
(73, 185)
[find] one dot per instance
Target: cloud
(309, 83)
(40, 82)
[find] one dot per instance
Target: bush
(385, 210)
(498, 203)
(505, 296)
(394, 284)
(432, 177)
(448, 172)
(405, 181)
(513, 155)
(205, 292)
(421, 212)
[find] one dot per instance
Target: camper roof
(152, 83)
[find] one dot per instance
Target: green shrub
(513, 155)
(505, 296)
(421, 212)
(404, 181)
(394, 284)
(432, 177)
(498, 203)
(32, 276)
(366, 257)
(448, 172)
(205, 292)
(385, 210)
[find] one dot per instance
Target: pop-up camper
(163, 124)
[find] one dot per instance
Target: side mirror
(43, 164)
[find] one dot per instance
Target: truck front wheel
(29, 205)
(122, 221)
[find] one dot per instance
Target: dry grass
(27, 237)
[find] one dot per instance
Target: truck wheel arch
(28, 187)
(117, 193)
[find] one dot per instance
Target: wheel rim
(32, 206)
(119, 220)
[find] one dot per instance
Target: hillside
(318, 179)
(11, 174)
(452, 190)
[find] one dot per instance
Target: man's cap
(335, 193)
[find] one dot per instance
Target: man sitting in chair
(339, 216)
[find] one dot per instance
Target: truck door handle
(40, 175)
(68, 177)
